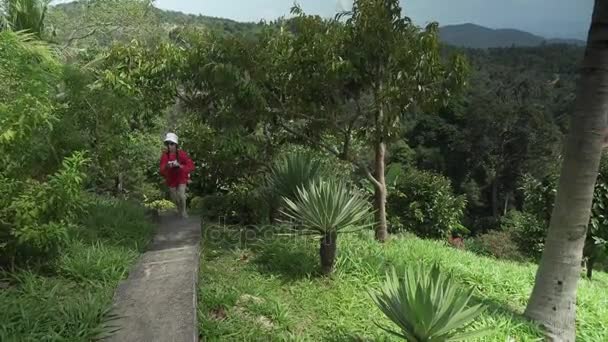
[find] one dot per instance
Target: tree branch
(72, 38)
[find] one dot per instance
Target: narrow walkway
(158, 300)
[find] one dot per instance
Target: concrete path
(158, 300)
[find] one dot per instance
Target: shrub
(293, 171)
(35, 216)
(427, 305)
(426, 205)
(326, 208)
(160, 205)
(539, 195)
(526, 230)
(196, 203)
(217, 207)
(234, 207)
(496, 244)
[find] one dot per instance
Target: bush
(425, 204)
(196, 203)
(526, 230)
(428, 305)
(496, 244)
(291, 172)
(36, 216)
(327, 208)
(160, 205)
(71, 299)
(233, 207)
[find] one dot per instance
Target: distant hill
(475, 36)
(464, 35)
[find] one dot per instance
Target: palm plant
(427, 305)
(326, 208)
(24, 15)
(288, 173)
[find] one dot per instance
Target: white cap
(172, 137)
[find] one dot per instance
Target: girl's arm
(163, 164)
(188, 165)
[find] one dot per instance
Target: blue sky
(549, 18)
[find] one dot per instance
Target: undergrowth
(259, 287)
(68, 298)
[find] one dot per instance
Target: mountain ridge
(476, 36)
(466, 35)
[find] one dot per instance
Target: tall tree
(333, 80)
(553, 299)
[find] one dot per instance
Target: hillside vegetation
(325, 131)
(261, 288)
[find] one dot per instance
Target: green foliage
(527, 231)
(94, 25)
(325, 206)
(497, 244)
(226, 158)
(427, 305)
(539, 195)
(596, 244)
(29, 73)
(294, 171)
(70, 298)
(237, 206)
(36, 216)
(281, 272)
(509, 123)
(24, 15)
(426, 205)
(160, 205)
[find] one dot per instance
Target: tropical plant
(35, 216)
(293, 171)
(427, 305)
(287, 174)
(327, 208)
(24, 15)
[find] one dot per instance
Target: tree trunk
(328, 252)
(273, 211)
(553, 299)
(590, 264)
(380, 193)
(495, 198)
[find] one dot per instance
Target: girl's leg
(173, 192)
(181, 194)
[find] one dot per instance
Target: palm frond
(27, 42)
(25, 15)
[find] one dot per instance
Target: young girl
(175, 167)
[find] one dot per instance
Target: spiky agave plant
(287, 174)
(327, 208)
(427, 305)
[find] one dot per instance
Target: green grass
(68, 298)
(268, 288)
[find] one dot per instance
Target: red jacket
(176, 176)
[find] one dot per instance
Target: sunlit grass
(269, 289)
(68, 300)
